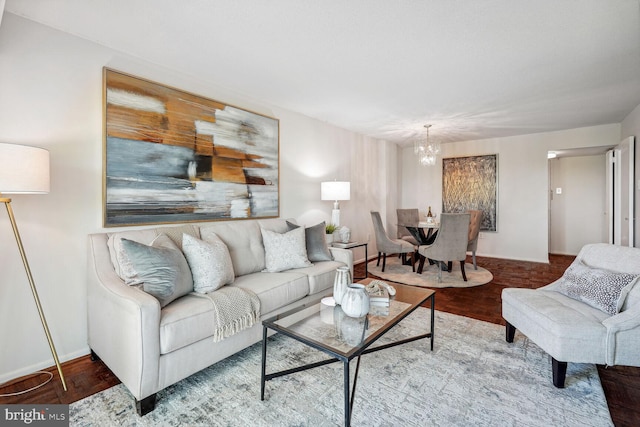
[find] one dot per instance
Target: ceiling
(473, 69)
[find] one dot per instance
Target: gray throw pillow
(602, 289)
(317, 248)
(161, 267)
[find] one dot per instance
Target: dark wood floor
(621, 384)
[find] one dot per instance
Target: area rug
(396, 272)
(473, 377)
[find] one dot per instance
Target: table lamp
(335, 190)
(25, 170)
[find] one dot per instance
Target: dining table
(422, 231)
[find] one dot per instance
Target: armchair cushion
(602, 289)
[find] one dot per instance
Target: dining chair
(474, 232)
(386, 245)
(450, 243)
(407, 216)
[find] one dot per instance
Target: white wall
(578, 213)
(631, 127)
(51, 97)
(522, 185)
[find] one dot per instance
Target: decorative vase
(355, 301)
(340, 283)
(329, 238)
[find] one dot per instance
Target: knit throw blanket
(234, 310)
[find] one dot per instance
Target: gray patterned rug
(472, 378)
(395, 271)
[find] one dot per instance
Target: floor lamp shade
(335, 190)
(23, 169)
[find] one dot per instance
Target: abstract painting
(172, 156)
(472, 183)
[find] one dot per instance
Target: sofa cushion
(185, 321)
(121, 264)
(244, 241)
(210, 263)
(161, 267)
(175, 233)
(275, 290)
(284, 251)
(321, 275)
(317, 248)
(603, 289)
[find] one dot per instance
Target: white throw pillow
(284, 251)
(210, 262)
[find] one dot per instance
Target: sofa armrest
(124, 323)
(343, 255)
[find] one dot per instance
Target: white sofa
(148, 347)
(583, 317)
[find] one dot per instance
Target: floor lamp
(25, 170)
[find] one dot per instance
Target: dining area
(429, 245)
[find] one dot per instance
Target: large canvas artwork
(172, 156)
(471, 183)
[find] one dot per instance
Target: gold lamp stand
(7, 203)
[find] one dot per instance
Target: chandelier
(426, 150)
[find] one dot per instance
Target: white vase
(329, 238)
(355, 301)
(340, 283)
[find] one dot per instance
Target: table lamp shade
(23, 169)
(335, 190)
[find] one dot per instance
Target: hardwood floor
(621, 384)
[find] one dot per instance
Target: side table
(353, 245)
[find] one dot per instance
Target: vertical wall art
(172, 156)
(472, 183)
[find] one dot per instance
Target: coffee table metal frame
(338, 356)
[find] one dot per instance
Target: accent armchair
(386, 245)
(590, 315)
(450, 243)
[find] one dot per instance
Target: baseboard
(44, 365)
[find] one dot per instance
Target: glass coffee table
(344, 338)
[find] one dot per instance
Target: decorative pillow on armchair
(602, 289)
(317, 248)
(284, 251)
(161, 267)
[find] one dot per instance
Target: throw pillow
(317, 248)
(284, 251)
(210, 262)
(161, 267)
(602, 289)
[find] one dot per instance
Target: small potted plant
(329, 230)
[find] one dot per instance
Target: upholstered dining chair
(386, 245)
(407, 216)
(474, 232)
(450, 243)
